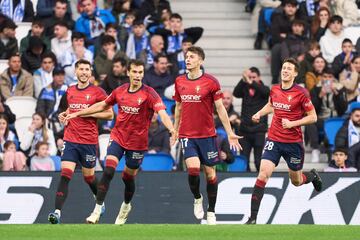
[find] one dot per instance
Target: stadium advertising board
(165, 198)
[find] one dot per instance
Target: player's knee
(127, 176)
(263, 176)
(67, 173)
(109, 172)
(296, 182)
(194, 171)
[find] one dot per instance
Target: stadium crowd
(322, 35)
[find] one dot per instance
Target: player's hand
(234, 142)
(286, 123)
(256, 118)
(71, 116)
(62, 117)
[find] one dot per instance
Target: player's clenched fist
(286, 123)
(256, 118)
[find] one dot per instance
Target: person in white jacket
(348, 10)
(38, 132)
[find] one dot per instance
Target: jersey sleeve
(101, 95)
(271, 94)
(176, 96)
(306, 102)
(111, 99)
(216, 91)
(155, 101)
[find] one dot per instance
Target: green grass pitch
(177, 231)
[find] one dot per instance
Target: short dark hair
(157, 57)
(291, 2)
(339, 149)
(58, 71)
(106, 39)
(110, 25)
(14, 54)
(328, 70)
(37, 21)
(62, 23)
(187, 39)
(298, 22)
(61, 1)
(8, 143)
(293, 62)
(77, 35)
(335, 18)
(354, 58)
(121, 60)
(255, 70)
(49, 55)
(82, 61)
(138, 22)
(313, 45)
(346, 40)
(135, 62)
(176, 15)
(197, 50)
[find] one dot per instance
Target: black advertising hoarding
(165, 198)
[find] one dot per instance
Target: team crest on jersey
(289, 98)
(197, 89)
(87, 97)
(139, 101)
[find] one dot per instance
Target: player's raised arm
(233, 138)
(267, 109)
(95, 108)
(165, 119)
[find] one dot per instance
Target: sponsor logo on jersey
(78, 106)
(282, 106)
(190, 98)
(130, 110)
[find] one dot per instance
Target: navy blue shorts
(205, 149)
(85, 154)
(133, 159)
(293, 153)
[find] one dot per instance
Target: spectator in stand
(343, 60)
(125, 29)
(320, 23)
(156, 47)
(295, 43)
(137, 41)
(330, 43)
(307, 64)
(308, 9)
(8, 41)
(103, 61)
(313, 77)
(16, 81)
(73, 54)
(163, 24)
(45, 9)
(348, 10)
(37, 29)
(61, 12)
(117, 77)
(225, 154)
(110, 30)
(62, 40)
(340, 162)
(173, 37)
(177, 59)
(5, 110)
(119, 10)
(5, 133)
(350, 78)
(329, 100)
(18, 10)
(38, 132)
(280, 28)
(41, 161)
(31, 58)
(44, 75)
(159, 137)
(348, 137)
(13, 160)
(158, 76)
(255, 96)
(151, 10)
(92, 21)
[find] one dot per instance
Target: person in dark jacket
(37, 29)
(21, 11)
(45, 9)
(234, 118)
(343, 60)
(158, 76)
(117, 77)
(348, 136)
(313, 50)
(153, 9)
(31, 59)
(159, 137)
(7, 34)
(255, 95)
(340, 162)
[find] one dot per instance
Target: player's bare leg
(267, 167)
(193, 167)
(103, 186)
(211, 188)
(299, 178)
(67, 171)
(128, 177)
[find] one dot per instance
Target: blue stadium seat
(168, 103)
(57, 163)
(157, 162)
(331, 127)
(239, 165)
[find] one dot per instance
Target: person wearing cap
(37, 29)
(340, 162)
(16, 81)
(8, 42)
(62, 40)
(31, 58)
(329, 100)
(348, 136)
